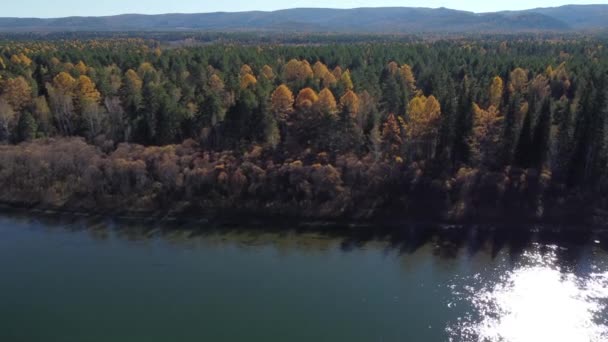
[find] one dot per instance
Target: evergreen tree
(26, 128)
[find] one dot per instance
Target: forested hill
(373, 20)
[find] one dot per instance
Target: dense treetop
(446, 108)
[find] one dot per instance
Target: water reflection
(539, 299)
(474, 283)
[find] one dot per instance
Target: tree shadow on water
(446, 241)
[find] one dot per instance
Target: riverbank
(184, 182)
(378, 227)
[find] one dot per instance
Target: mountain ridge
(355, 20)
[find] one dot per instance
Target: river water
(100, 280)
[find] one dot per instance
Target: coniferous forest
(445, 129)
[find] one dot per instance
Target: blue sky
(60, 8)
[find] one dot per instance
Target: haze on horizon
(64, 8)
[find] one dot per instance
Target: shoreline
(237, 218)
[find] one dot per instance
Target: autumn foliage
(448, 128)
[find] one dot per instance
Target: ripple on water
(535, 301)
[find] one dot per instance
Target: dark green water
(103, 281)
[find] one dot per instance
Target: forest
(500, 128)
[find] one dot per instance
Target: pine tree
(26, 128)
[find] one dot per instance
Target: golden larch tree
(422, 127)
(246, 70)
(487, 127)
(496, 91)
(158, 52)
(337, 72)
(18, 92)
(327, 102)
(248, 80)
(64, 82)
(61, 98)
(215, 83)
(346, 80)
(55, 61)
(408, 78)
(86, 91)
(306, 98)
(81, 68)
(539, 87)
(392, 68)
(267, 72)
(133, 82)
(282, 102)
(297, 71)
(319, 70)
(349, 102)
(518, 81)
(391, 135)
(144, 68)
(329, 80)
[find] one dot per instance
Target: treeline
(453, 129)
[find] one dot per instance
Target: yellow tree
(346, 80)
(297, 71)
(248, 80)
(561, 73)
(319, 70)
(61, 98)
(392, 68)
(68, 66)
(18, 92)
(215, 83)
(349, 102)
(86, 91)
(81, 68)
(2, 65)
(496, 90)
(487, 127)
(224, 97)
(329, 80)
(132, 91)
(64, 82)
(306, 98)
(423, 125)
(549, 71)
(21, 59)
(246, 70)
(327, 102)
(391, 136)
(518, 81)
(408, 78)
(282, 102)
(539, 87)
(145, 68)
(87, 103)
(133, 81)
(337, 72)
(267, 72)
(55, 61)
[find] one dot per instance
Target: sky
(62, 8)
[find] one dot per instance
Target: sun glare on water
(536, 301)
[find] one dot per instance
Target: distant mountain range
(357, 20)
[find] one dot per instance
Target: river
(82, 279)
